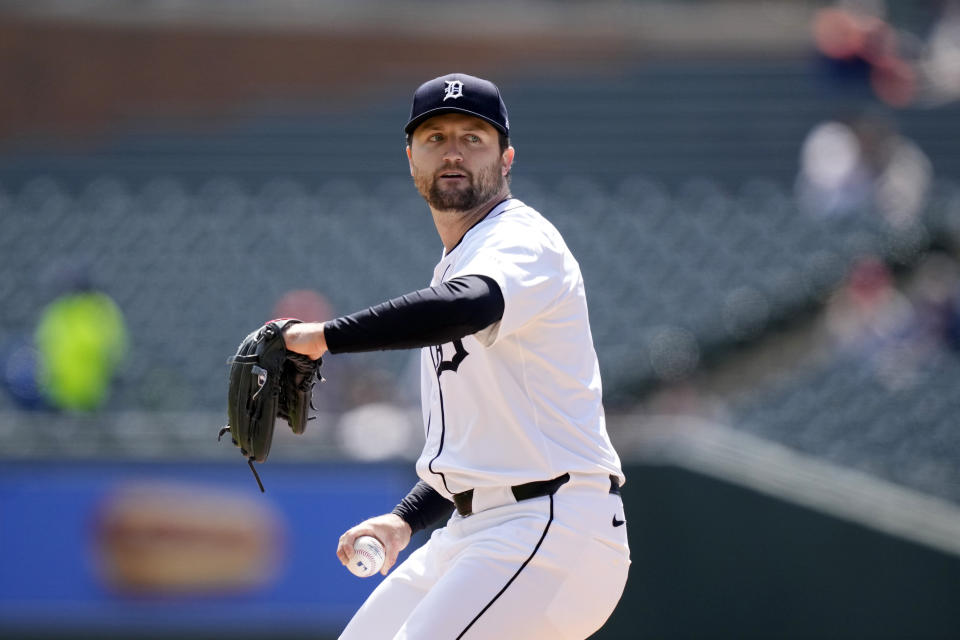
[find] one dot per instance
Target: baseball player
(516, 455)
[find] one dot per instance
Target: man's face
(456, 163)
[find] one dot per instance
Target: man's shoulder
(515, 215)
(511, 228)
(514, 209)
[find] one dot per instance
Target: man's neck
(453, 225)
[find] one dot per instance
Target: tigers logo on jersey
(459, 354)
(454, 89)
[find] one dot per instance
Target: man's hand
(306, 338)
(390, 529)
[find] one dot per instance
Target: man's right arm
(421, 508)
(435, 315)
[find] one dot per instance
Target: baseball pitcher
(516, 456)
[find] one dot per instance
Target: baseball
(367, 556)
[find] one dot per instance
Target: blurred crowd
(76, 352)
(862, 237)
(908, 52)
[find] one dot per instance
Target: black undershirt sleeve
(431, 316)
(423, 507)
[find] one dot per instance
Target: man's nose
(452, 152)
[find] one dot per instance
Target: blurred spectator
(20, 373)
(303, 304)
(857, 41)
(864, 165)
(941, 65)
(933, 292)
(867, 310)
(936, 294)
(863, 46)
(81, 340)
(897, 334)
(380, 431)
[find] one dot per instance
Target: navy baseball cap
(459, 93)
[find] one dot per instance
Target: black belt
(464, 499)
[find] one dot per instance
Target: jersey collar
(500, 207)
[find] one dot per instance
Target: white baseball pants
(548, 568)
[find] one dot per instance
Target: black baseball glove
(267, 382)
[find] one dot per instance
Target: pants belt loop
(614, 485)
(464, 502)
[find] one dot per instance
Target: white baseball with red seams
(367, 557)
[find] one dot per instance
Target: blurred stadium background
(765, 200)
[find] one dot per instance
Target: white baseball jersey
(521, 400)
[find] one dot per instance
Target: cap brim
(423, 117)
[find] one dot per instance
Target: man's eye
(473, 138)
(436, 137)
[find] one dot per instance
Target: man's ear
(507, 158)
(410, 159)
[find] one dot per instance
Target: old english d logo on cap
(458, 93)
(454, 89)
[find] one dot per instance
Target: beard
(481, 187)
